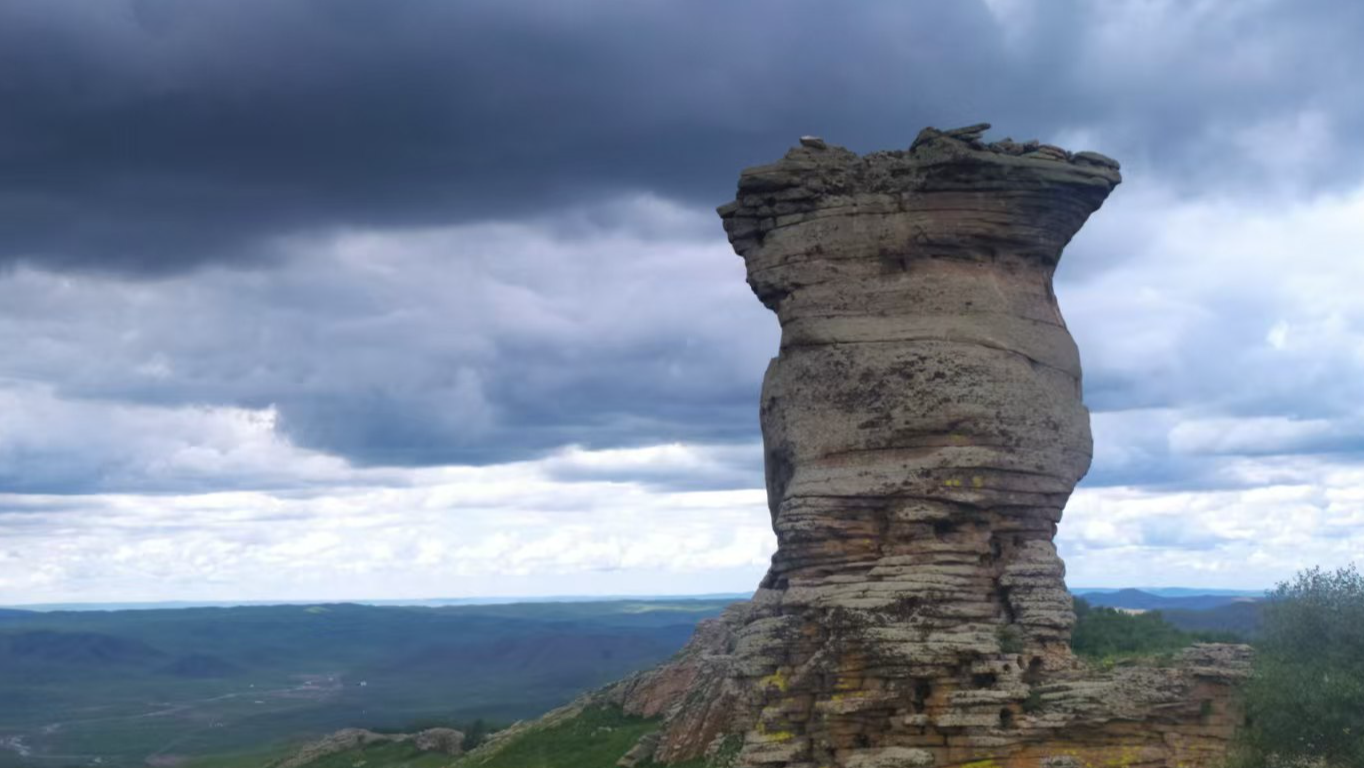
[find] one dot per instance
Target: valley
(173, 686)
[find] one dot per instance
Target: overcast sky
(326, 299)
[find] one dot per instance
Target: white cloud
(1243, 539)
(1222, 347)
(48, 442)
(450, 531)
(1235, 325)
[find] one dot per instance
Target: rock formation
(923, 428)
(442, 741)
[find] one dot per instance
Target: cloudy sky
(368, 299)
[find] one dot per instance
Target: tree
(1305, 698)
(1107, 633)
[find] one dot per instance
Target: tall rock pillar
(923, 427)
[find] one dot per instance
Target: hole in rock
(1006, 718)
(1034, 673)
(984, 680)
(942, 528)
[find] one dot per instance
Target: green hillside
(595, 738)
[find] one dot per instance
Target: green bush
(1305, 699)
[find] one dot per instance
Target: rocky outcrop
(441, 741)
(444, 741)
(699, 693)
(923, 427)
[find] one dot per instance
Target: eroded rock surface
(700, 694)
(445, 741)
(923, 427)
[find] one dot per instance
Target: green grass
(401, 755)
(256, 758)
(596, 738)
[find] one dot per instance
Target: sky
(353, 299)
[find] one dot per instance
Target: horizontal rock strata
(923, 428)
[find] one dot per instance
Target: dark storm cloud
(147, 136)
(475, 344)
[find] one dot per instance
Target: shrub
(1305, 699)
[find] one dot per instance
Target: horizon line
(118, 605)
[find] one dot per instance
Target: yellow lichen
(1126, 757)
(774, 736)
(776, 679)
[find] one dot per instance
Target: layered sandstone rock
(923, 427)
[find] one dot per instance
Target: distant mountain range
(1244, 618)
(1144, 598)
(427, 602)
(1237, 611)
(1167, 599)
(1170, 591)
